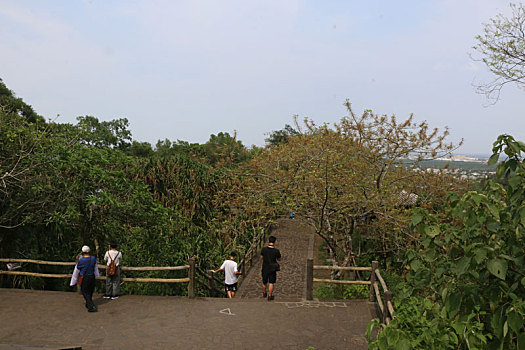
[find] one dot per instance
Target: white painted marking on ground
(226, 312)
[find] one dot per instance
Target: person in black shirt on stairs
(269, 256)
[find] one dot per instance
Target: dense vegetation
(465, 285)
(454, 250)
(63, 186)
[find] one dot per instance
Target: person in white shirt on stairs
(231, 271)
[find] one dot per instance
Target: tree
(502, 49)
(280, 136)
(224, 150)
(9, 103)
(346, 181)
(113, 133)
(465, 285)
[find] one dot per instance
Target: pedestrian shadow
(101, 301)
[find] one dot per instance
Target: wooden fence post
(375, 265)
(211, 283)
(310, 279)
(191, 276)
(388, 298)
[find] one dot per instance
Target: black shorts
(230, 287)
(269, 277)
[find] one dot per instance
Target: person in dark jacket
(88, 268)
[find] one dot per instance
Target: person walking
(231, 271)
(86, 270)
(269, 257)
(112, 257)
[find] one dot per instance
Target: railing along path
(190, 267)
(386, 309)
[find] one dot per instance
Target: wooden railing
(210, 282)
(249, 258)
(190, 267)
(386, 309)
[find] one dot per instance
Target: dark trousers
(88, 286)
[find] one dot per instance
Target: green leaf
(416, 265)
(522, 215)
(515, 147)
(498, 267)
(493, 159)
(479, 255)
(432, 231)
(523, 281)
(462, 265)
(521, 341)
(416, 219)
(403, 344)
(515, 321)
(497, 323)
(515, 181)
(453, 303)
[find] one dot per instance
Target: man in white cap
(88, 270)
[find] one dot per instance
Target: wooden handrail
(35, 274)
(251, 253)
(341, 281)
(152, 268)
(386, 307)
(342, 268)
(381, 280)
(124, 268)
(378, 299)
(41, 262)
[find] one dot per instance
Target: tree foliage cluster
(466, 285)
(348, 180)
(63, 186)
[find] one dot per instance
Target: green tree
(466, 286)
(113, 133)
(9, 103)
(281, 136)
(502, 50)
(224, 150)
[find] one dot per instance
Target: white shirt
(114, 255)
(229, 267)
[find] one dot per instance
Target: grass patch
(338, 291)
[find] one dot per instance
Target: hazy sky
(187, 69)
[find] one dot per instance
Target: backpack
(112, 267)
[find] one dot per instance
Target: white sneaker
(115, 297)
(106, 297)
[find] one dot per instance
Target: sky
(186, 69)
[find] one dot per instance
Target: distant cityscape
(472, 167)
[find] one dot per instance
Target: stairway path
(295, 242)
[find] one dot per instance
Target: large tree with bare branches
(502, 50)
(347, 180)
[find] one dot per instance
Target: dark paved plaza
(54, 320)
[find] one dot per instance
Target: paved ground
(140, 322)
(59, 319)
(295, 243)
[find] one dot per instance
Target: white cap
(85, 249)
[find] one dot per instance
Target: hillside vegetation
(455, 247)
